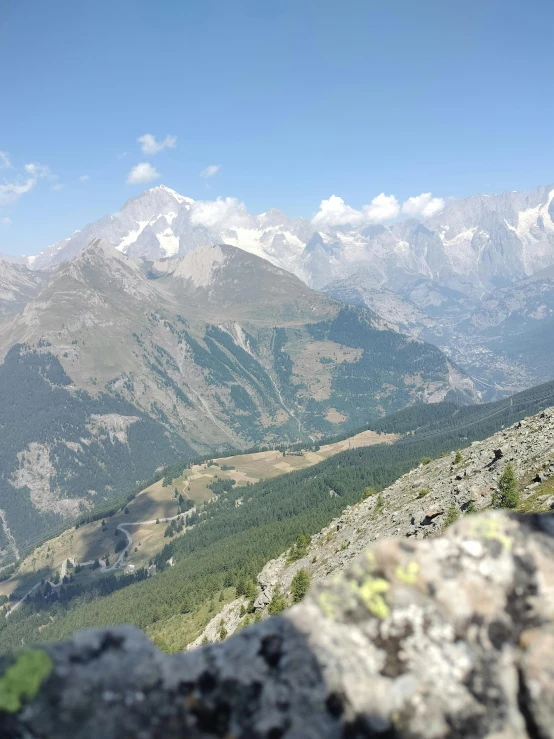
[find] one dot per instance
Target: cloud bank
(424, 205)
(335, 212)
(223, 212)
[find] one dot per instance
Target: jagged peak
(163, 188)
(99, 252)
(97, 247)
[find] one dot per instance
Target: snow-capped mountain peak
(473, 245)
(173, 193)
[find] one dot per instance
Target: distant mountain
(218, 349)
(473, 246)
(18, 284)
(505, 341)
(426, 278)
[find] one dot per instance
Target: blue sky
(294, 101)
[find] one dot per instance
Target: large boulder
(445, 637)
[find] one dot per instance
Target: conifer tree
(300, 585)
(507, 495)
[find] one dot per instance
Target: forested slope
(63, 451)
(247, 526)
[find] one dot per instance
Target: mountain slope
(18, 285)
(225, 347)
(444, 265)
(504, 339)
(224, 350)
(64, 451)
(247, 526)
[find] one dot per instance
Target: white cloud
(37, 170)
(12, 191)
(423, 205)
(149, 145)
(142, 173)
(57, 187)
(223, 212)
(6, 221)
(382, 208)
(210, 171)
(84, 178)
(5, 160)
(335, 212)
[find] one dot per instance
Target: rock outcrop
(417, 506)
(443, 637)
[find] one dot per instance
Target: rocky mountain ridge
(418, 505)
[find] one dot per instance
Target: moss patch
(22, 680)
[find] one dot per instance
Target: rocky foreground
(438, 637)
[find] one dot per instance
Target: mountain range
(456, 279)
(198, 325)
(119, 366)
(473, 246)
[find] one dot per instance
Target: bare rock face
(444, 637)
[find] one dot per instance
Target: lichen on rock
(21, 681)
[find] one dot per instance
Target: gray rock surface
(442, 637)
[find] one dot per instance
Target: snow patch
(527, 219)
(465, 235)
(169, 243)
(132, 236)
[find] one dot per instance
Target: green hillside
(246, 526)
(64, 451)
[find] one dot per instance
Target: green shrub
(300, 548)
(247, 588)
(278, 602)
(368, 492)
(452, 515)
(507, 495)
(380, 504)
(300, 585)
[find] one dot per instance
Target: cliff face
(441, 637)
